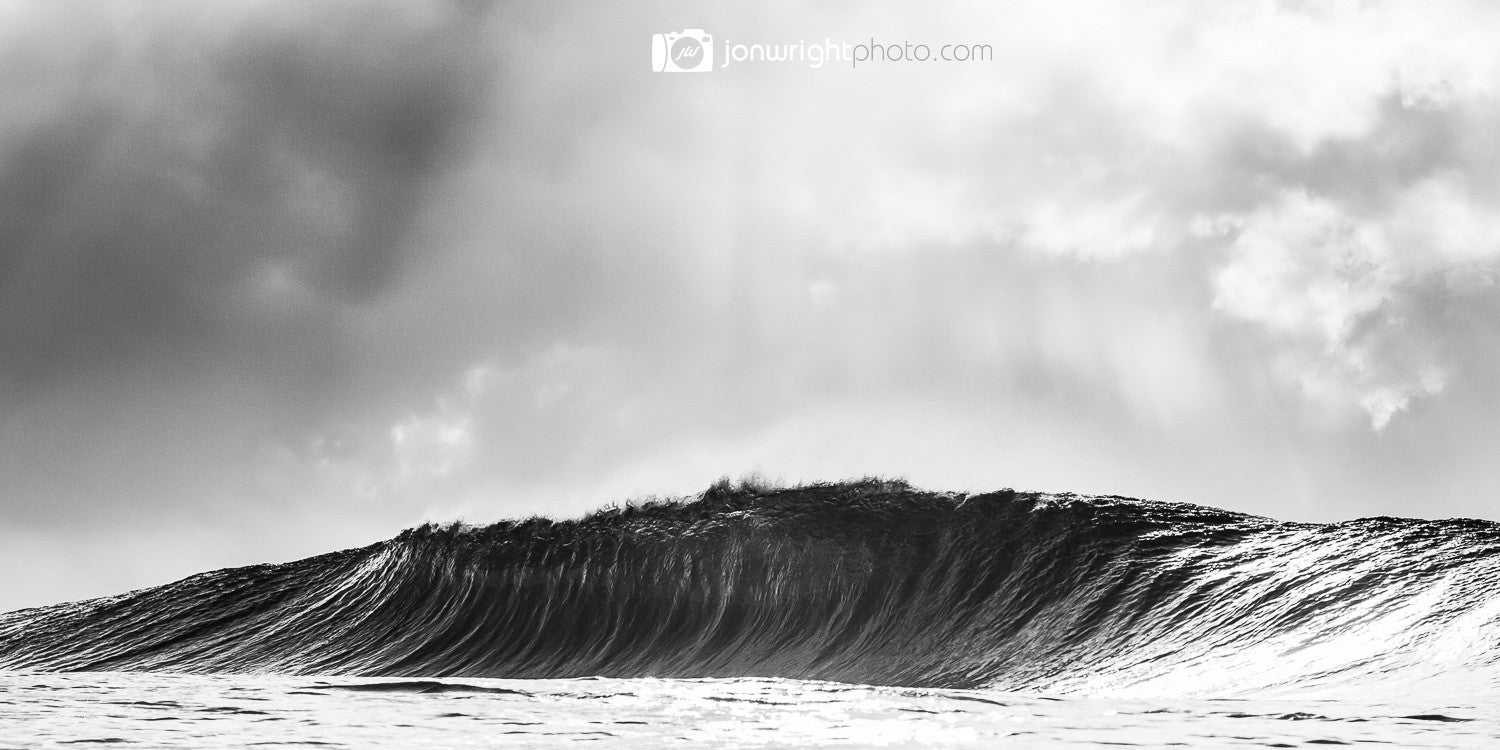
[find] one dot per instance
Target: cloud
(181, 178)
(431, 445)
(1348, 311)
(359, 264)
(1338, 195)
(1080, 222)
(1360, 253)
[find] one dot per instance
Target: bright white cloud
(1347, 297)
(433, 444)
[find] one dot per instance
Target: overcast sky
(278, 278)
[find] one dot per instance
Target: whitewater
(863, 613)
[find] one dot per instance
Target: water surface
(166, 710)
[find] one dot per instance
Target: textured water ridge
(195, 711)
(868, 582)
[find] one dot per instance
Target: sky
(280, 278)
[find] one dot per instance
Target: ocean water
(886, 615)
(196, 711)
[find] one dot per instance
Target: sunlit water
(156, 710)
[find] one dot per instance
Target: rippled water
(158, 710)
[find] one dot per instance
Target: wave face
(868, 582)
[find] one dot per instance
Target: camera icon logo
(687, 51)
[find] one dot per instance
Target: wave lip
(870, 582)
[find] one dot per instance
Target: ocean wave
(869, 582)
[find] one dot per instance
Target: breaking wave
(868, 582)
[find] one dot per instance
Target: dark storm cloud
(170, 173)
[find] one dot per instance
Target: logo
(688, 51)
